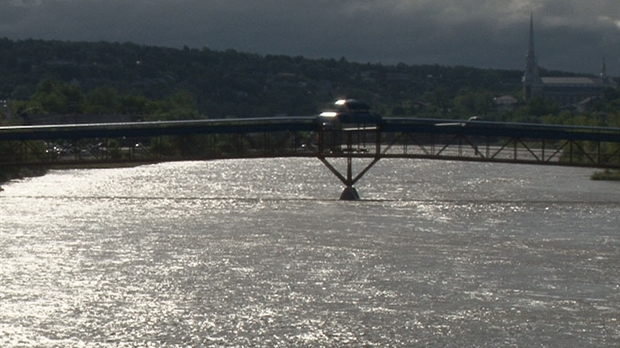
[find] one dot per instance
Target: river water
(260, 253)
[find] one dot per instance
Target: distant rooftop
(592, 81)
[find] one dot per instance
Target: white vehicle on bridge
(348, 113)
(347, 117)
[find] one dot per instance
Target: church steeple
(604, 70)
(531, 77)
(531, 43)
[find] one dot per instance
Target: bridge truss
(96, 145)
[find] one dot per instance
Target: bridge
(338, 139)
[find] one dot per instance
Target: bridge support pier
(350, 192)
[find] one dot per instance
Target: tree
(58, 98)
(541, 107)
(178, 106)
(469, 103)
(21, 92)
(103, 100)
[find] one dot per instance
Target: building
(563, 90)
(506, 103)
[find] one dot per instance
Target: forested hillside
(54, 77)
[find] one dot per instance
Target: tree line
(156, 83)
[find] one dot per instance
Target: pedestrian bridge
(347, 142)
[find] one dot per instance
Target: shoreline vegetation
(606, 175)
(14, 173)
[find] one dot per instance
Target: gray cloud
(570, 34)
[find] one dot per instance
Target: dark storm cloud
(570, 34)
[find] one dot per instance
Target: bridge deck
(303, 137)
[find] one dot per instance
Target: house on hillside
(506, 103)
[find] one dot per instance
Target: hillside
(231, 83)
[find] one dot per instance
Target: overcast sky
(571, 35)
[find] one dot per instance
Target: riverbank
(607, 175)
(8, 174)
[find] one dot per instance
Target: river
(260, 253)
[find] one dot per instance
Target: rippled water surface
(260, 253)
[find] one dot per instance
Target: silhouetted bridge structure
(369, 138)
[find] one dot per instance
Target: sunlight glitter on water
(260, 253)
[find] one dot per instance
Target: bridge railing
(60, 152)
(301, 136)
(503, 142)
(147, 142)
